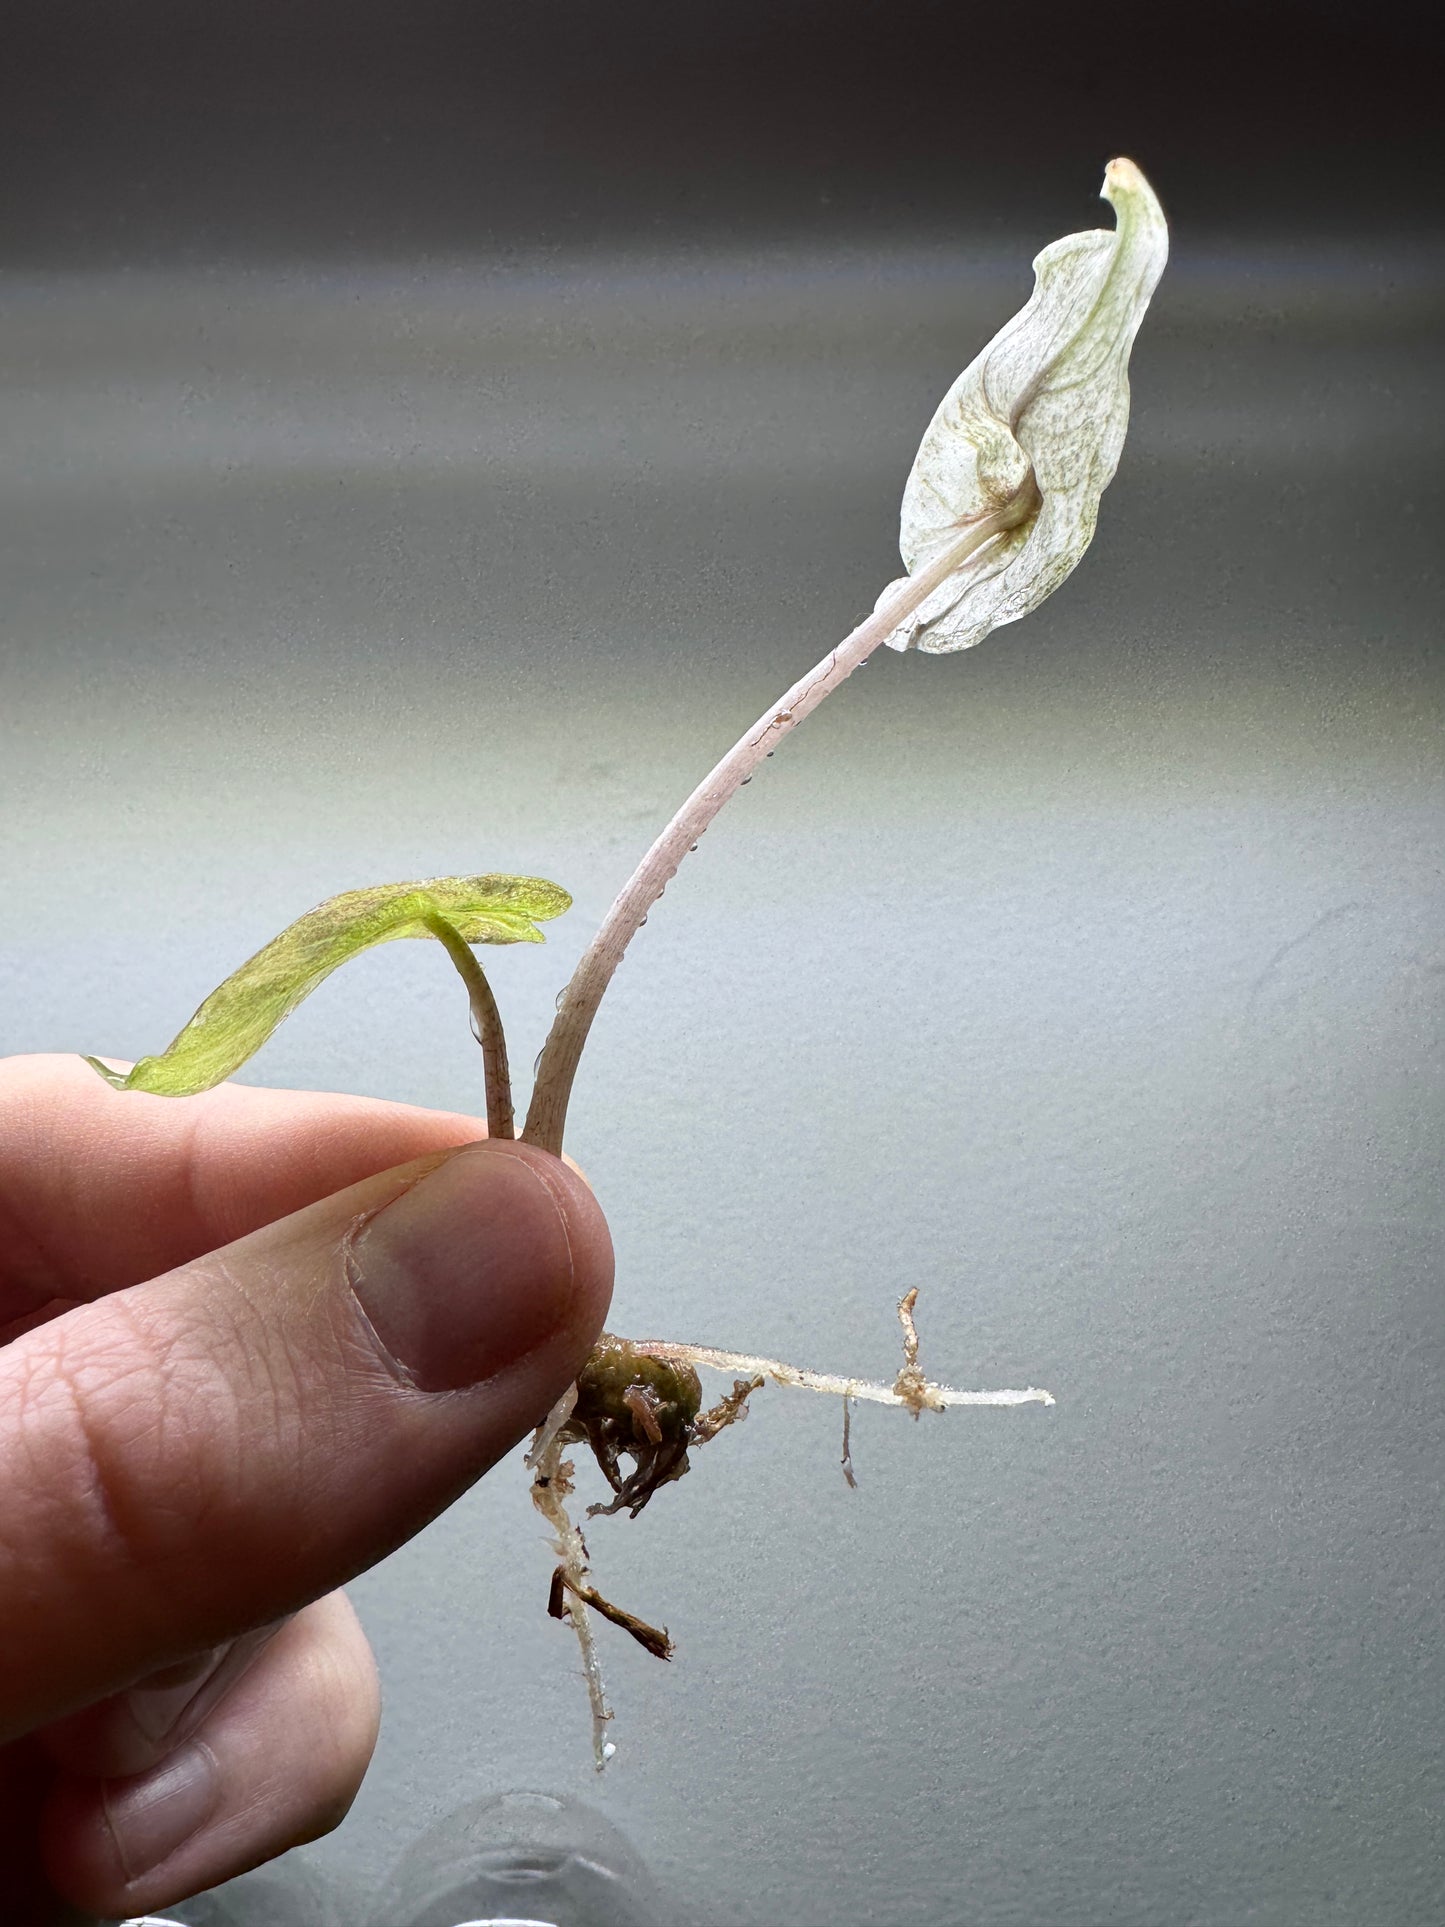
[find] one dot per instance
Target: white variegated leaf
(1029, 436)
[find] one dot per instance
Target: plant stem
(486, 1024)
(557, 1066)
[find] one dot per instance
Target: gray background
(399, 479)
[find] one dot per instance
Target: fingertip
(495, 1255)
(588, 1237)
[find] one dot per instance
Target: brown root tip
(654, 1638)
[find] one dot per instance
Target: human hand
(247, 1350)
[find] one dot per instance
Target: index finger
(101, 1189)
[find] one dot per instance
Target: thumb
(210, 1450)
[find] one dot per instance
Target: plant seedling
(998, 508)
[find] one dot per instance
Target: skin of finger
(102, 1189)
(291, 1744)
(132, 1731)
(217, 1448)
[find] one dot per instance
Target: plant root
(911, 1389)
(655, 1638)
(551, 1489)
(911, 1386)
(847, 1459)
(643, 1401)
(731, 1410)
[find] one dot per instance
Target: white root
(551, 1488)
(910, 1388)
(550, 1427)
(936, 1397)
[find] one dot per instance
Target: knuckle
(128, 1438)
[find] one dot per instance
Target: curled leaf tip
(1013, 464)
(118, 1080)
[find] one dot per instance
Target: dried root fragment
(731, 1410)
(655, 1638)
(846, 1461)
(911, 1386)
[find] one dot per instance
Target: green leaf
(236, 1019)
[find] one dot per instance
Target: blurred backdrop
(430, 433)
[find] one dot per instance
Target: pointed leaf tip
(116, 1079)
(1029, 436)
(238, 1017)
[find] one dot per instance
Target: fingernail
(171, 1708)
(150, 1817)
(470, 1269)
(157, 1707)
